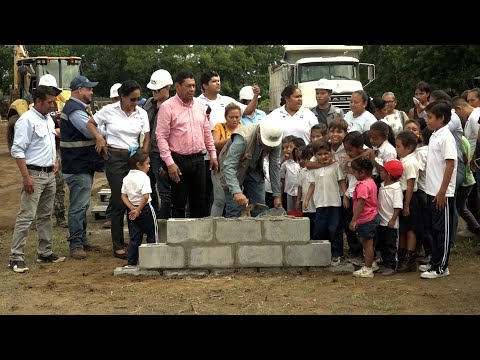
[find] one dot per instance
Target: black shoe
(52, 258)
(425, 260)
(88, 247)
(18, 266)
(122, 256)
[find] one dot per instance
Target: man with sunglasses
(80, 161)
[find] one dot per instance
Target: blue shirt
(255, 119)
(34, 139)
(79, 119)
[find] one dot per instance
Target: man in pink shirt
(183, 137)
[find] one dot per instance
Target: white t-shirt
(298, 125)
(135, 185)
(361, 123)
(122, 131)
(410, 171)
(327, 188)
(289, 170)
(440, 148)
(390, 197)
(302, 181)
(472, 127)
(218, 106)
(421, 155)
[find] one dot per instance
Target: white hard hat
(246, 93)
(271, 132)
(160, 79)
(324, 84)
(48, 80)
(114, 90)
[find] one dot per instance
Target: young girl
(383, 142)
(136, 192)
(411, 218)
(325, 184)
(354, 147)
(290, 173)
(365, 218)
(303, 186)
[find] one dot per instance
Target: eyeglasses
(135, 99)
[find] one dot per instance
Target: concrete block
(163, 256)
(189, 230)
(317, 253)
(238, 230)
(259, 255)
(286, 229)
(162, 230)
(181, 273)
(135, 272)
(211, 257)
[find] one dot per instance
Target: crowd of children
(390, 195)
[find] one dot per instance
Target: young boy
(318, 132)
(390, 203)
(440, 180)
(325, 184)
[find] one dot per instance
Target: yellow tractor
(27, 71)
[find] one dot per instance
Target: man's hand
(28, 184)
(256, 89)
(240, 199)
(214, 166)
(101, 146)
(174, 173)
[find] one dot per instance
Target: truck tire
(10, 129)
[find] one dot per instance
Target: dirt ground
(89, 287)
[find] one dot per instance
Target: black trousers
(192, 186)
(145, 223)
(389, 245)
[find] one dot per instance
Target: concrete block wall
(220, 243)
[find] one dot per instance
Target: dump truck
(304, 65)
(26, 72)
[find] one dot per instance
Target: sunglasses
(135, 99)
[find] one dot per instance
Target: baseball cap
(49, 80)
(394, 168)
(114, 90)
(82, 81)
(324, 84)
(271, 132)
(246, 93)
(160, 79)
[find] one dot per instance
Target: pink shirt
(183, 129)
(366, 190)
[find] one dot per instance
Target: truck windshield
(317, 71)
(69, 71)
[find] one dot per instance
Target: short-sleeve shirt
(366, 190)
(302, 181)
(326, 185)
(361, 123)
(135, 185)
(390, 197)
(421, 155)
(410, 171)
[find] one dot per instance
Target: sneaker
(336, 260)
(89, 247)
(426, 267)
(107, 224)
(357, 261)
(78, 254)
(375, 266)
(62, 223)
(364, 272)
(434, 274)
(52, 258)
(425, 260)
(466, 233)
(388, 271)
(18, 266)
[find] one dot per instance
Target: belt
(118, 150)
(46, 169)
(189, 156)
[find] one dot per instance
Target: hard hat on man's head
(82, 81)
(246, 93)
(271, 132)
(49, 80)
(114, 90)
(324, 84)
(160, 79)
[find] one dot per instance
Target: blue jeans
(253, 190)
(80, 186)
(163, 186)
